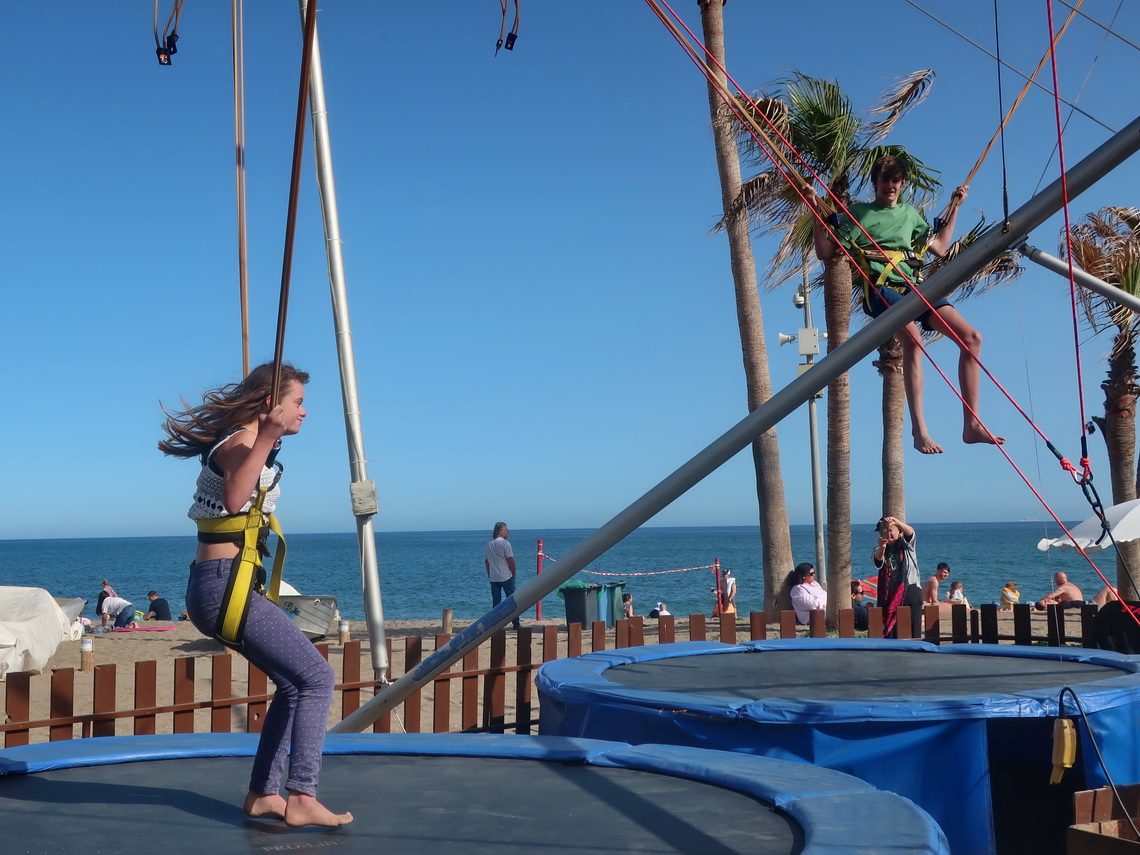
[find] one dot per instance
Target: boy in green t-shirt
(900, 231)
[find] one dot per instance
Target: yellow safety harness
(890, 259)
(247, 573)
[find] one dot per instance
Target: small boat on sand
(32, 625)
(314, 615)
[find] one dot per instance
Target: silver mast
(1081, 277)
(998, 239)
(363, 491)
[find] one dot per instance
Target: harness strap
(890, 259)
(247, 573)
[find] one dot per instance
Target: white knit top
(208, 503)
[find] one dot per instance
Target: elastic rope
(294, 192)
(1030, 79)
(1068, 236)
(238, 36)
(1001, 125)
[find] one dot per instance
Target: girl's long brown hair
(194, 430)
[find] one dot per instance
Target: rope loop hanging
(511, 37)
(166, 45)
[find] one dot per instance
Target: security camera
(798, 299)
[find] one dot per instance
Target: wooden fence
(482, 693)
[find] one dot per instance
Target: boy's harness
(247, 573)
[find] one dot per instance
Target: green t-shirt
(897, 228)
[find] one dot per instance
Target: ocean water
(422, 573)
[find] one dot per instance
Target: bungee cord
(1031, 80)
(294, 192)
(1017, 103)
(1108, 29)
(800, 185)
(237, 23)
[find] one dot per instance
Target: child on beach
(236, 433)
(1010, 597)
(895, 237)
(957, 594)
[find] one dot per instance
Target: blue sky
(543, 321)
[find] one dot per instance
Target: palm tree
(819, 122)
(775, 534)
(1107, 245)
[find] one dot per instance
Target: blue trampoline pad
(428, 794)
(843, 674)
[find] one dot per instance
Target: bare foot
(306, 810)
(926, 445)
(974, 435)
(257, 804)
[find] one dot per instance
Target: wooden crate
(1101, 826)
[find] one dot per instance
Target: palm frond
(1106, 244)
(908, 93)
(996, 272)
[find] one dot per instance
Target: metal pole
(813, 441)
(1081, 277)
(362, 490)
(968, 262)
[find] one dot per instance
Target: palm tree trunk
(775, 534)
(837, 313)
(889, 364)
(1119, 427)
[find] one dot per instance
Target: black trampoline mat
(846, 674)
(401, 805)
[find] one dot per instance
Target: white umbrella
(1123, 520)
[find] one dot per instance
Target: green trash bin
(609, 600)
(581, 602)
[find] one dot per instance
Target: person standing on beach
(236, 433)
(499, 559)
(726, 601)
(897, 562)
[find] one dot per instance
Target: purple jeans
(298, 715)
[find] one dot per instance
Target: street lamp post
(808, 339)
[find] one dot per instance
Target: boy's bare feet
(306, 810)
(257, 804)
(973, 435)
(926, 445)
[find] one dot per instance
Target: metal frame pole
(996, 240)
(1081, 277)
(362, 490)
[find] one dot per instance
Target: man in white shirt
(122, 611)
(499, 560)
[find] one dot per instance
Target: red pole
(538, 605)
